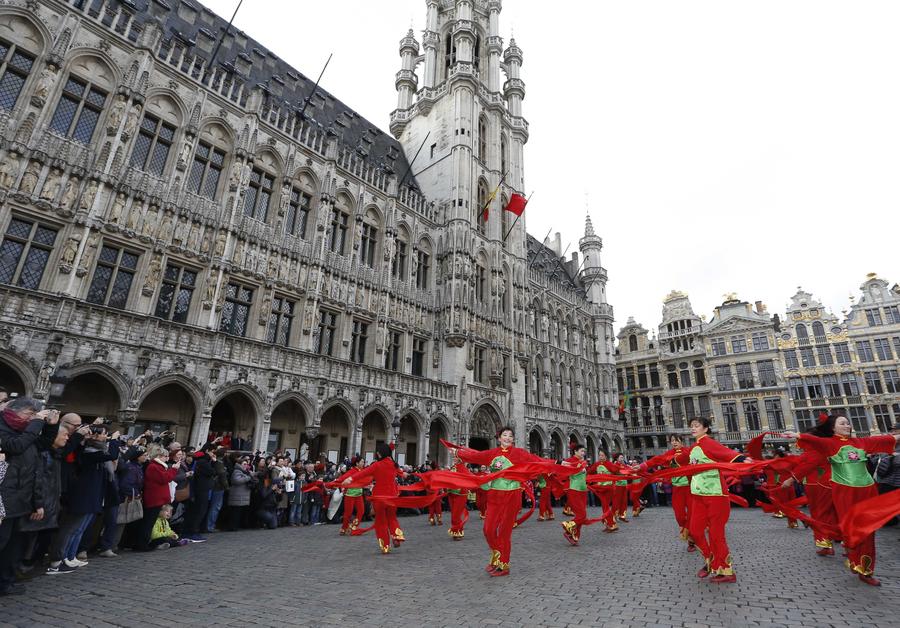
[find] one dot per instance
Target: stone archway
(483, 427)
(287, 429)
(91, 394)
(235, 414)
(375, 429)
(408, 441)
(557, 448)
(591, 445)
(12, 380)
(536, 442)
(333, 439)
(437, 452)
(169, 407)
(605, 444)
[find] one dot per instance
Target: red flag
(516, 204)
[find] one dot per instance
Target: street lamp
(395, 424)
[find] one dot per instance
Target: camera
(98, 429)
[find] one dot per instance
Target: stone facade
(217, 248)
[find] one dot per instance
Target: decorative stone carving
(131, 122)
(9, 168)
(115, 115)
(69, 253)
(154, 271)
(52, 186)
(29, 180)
(44, 85)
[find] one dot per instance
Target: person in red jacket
(354, 502)
(458, 499)
(678, 456)
(605, 490)
(851, 481)
(576, 494)
(156, 492)
(384, 472)
(435, 509)
(710, 505)
(504, 496)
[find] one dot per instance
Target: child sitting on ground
(163, 537)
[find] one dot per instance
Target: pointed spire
(589, 227)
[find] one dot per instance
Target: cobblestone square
(641, 576)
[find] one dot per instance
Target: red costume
(504, 499)
(354, 504)
(576, 497)
(814, 471)
(605, 492)
(851, 483)
(545, 506)
(783, 494)
(384, 473)
(436, 512)
(681, 489)
(710, 508)
(458, 500)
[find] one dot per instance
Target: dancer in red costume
(784, 493)
(850, 480)
(504, 497)
(545, 505)
(458, 499)
(436, 509)
(814, 472)
(354, 502)
(710, 506)
(620, 492)
(481, 494)
(576, 494)
(678, 456)
(384, 472)
(605, 492)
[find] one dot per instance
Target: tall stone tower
(463, 131)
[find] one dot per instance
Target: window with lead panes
(367, 244)
(480, 281)
(760, 341)
(718, 346)
(113, 277)
(206, 170)
(744, 375)
(327, 329)
(422, 270)
(807, 357)
(891, 381)
(849, 384)
(398, 265)
(175, 293)
(824, 353)
(804, 419)
(703, 402)
(418, 357)
(873, 317)
(864, 351)
(281, 318)
(392, 354)
(883, 349)
(689, 411)
(798, 391)
(882, 418)
(258, 195)
(858, 419)
(359, 339)
(774, 414)
(751, 414)
(152, 145)
(24, 252)
(738, 344)
(723, 378)
(790, 359)
(873, 383)
(729, 412)
(678, 413)
(338, 236)
(78, 110)
(15, 67)
(766, 371)
(298, 213)
(236, 309)
(842, 353)
(892, 314)
(813, 386)
(832, 386)
(480, 365)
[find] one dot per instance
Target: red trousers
(606, 493)
(545, 506)
(681, 505)
(784, 495)
(386, 525)
(481, 501)
(710, 513)
(821, 508)
(860, 559)
(435, 510)
(634, 493)
(354, 510)
(502, 508)
(577, 501)
(459, 514)
(620, 501)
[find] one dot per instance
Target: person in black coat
(201, 488)
(22, 491)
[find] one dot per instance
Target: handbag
(183, 494)
(130, 510)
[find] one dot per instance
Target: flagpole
(410, 165)
(493, 196)
(517, 218)
(215, 53)
(315, 87)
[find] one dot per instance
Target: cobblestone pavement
(641, 576)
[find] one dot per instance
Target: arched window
(632, 343)
(299, 208)
(401, 255)
(340, 219)
(258, 196)
(369, 239)
(155, 136)
(539, 379)
(536, 308)
(480, 218)
(504, 156)
(802, 334)
(482, 138)
(16, 64)
(449, 54)
(84, 97)
(481, 290)
(819, 332)
(476, 55)
(423, 265)
(209, 161)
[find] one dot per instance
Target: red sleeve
(717, 451)
(365, 474)
(824, 446)
(683, 457)
(877, 444)
(807, 462)
(662, 460)
(473, 456)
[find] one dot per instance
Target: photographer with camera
(22, 491)
(269, 494)
(85, 494)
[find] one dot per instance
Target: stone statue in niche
(150, 221)
(185, 152)
(90, 193)
(69, 194)
(9, 168)
(165, 232)
(43, 382)
(193, 236)
(153, 274)
(220, 244)
(88, 256)
(29, 180)
(210, 293)
(70, 250)
(115, 215)
(234, 179)
(52, 186)
(179, 233)
(44, 85)
(134, 217)
(131, 121)
(115, 115)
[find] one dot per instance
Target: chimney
(760, 307)
(556, 244)
(574, 261)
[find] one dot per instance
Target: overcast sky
(747, 147)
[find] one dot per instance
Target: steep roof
(286, 86)
(542, 257)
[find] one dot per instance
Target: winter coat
(88, 489)
(22, 491)
(239, 493)
(888, 470)
(204, 475)
(220, 483)
(156, 484)
(268, 499)
(131, 480)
